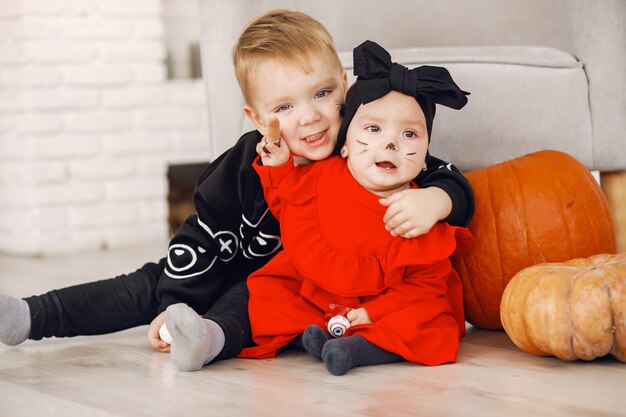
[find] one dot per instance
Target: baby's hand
(358, 316)
(272, 149)
(153, 334)
(413, 212)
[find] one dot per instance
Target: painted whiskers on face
(365, 146)
(390, 146)
(412, 160)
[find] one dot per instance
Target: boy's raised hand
(273, 149)
(411, 213)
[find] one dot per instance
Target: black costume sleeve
(447, 177)
(231, 235)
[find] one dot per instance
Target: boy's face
(386, 143)
(306, 104)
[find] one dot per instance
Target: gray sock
(313, 340)
(344, 353)
(196, 341)
(337, 356)
(14, 320)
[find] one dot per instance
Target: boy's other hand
(413, 212)
(272, 149)
(153, 334)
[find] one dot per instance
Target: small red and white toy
(336, 319)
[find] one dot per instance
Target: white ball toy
(165, 335)
(337, 325)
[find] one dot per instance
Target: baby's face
(386, 143)
(306, 104)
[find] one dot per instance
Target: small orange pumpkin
(572, 310)
(541, 207)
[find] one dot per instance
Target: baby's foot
(313, 340)
(344, 353)
(14, 320)
(338, 356)
(195, 341)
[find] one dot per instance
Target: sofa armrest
(600, 44)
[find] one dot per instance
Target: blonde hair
(283, 35)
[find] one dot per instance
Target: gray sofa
(544, 74)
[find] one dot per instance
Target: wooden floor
(118, 374)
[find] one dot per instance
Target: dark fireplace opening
(182, 182)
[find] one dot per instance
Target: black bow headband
(377, 76)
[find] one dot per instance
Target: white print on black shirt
(184, 261)
(262, 244)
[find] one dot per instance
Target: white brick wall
(89, 124)
(182, 27)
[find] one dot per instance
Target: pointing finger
(273, 130)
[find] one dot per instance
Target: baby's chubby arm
(272, 148)
(413, 212)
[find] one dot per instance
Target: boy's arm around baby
(446, 176)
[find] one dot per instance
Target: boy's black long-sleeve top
(233, 232)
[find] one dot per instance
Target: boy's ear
(344, 152)
(255, 118)
(344, 77)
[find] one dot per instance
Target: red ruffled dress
(336, 250)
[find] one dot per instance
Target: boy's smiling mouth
(315, 138)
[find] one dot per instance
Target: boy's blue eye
(322, 94)
(409, 134)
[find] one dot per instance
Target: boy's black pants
(126, 301)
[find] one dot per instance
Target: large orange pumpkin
(541, 207)
(572, 310)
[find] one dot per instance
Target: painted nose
(391, 146)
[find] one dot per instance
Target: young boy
(287, 66)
